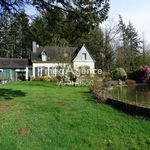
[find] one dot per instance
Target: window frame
(84, 56)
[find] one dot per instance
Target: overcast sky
(136, 11)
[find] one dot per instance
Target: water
(135, 94)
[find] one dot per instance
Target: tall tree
(20, 26)
(71, 20)
(5, 37)
(46, 26)
(94, 42)
(15, 35)
(144, 58)
(12, 6)
(129, 45)
(92, 11)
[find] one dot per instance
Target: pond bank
(129, 108)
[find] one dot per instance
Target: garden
(41, 115)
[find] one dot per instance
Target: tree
(119, 73)
(145, 54)
(46, 26)
(94, 11)
(12, 6)
(101, 43)
(90, 11)
(109, 45)
(39, 32)
(129, 46)
(94, 42)
(71, 20)
(15, 36)
(20, 28)
(6, 38)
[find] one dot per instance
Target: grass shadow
(9, 94)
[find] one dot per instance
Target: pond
(135, 94)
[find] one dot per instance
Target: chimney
(34, 47)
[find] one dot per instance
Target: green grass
(41, 116)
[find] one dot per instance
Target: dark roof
(54, 53)
(15, 63)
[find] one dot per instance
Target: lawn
(41, 116)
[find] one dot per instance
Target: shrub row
(45, 78)
(100, 93)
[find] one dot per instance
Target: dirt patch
(9, 106)
(64, 104)
(4, 107)
(61, 103)
(24, 131)
(19, 119)
(74, 109)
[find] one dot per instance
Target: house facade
(48, 61)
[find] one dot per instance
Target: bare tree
(110, 43)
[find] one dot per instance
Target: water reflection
(137, 94)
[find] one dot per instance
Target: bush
(99, 92)
(130, 82)
(36, 78)
(119, 74)
(106, 74)
(142, 75)
(45, 78)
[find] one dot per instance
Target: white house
(48, 60)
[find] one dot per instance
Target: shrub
(119, 73)
(142, 75)
(99, 92)
(53, 79)
(130, 82)
(106, 74)
(45, 78)
(37, 79)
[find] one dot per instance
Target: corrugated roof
(15, 63)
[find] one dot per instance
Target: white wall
(76, 65)
(78, 61)
(78, 58)
(47, 65)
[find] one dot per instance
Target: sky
(136, 11)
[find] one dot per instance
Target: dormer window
(44, 56)
(84, 57)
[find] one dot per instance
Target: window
(84, 56)
(44, 57)
(42, 71)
